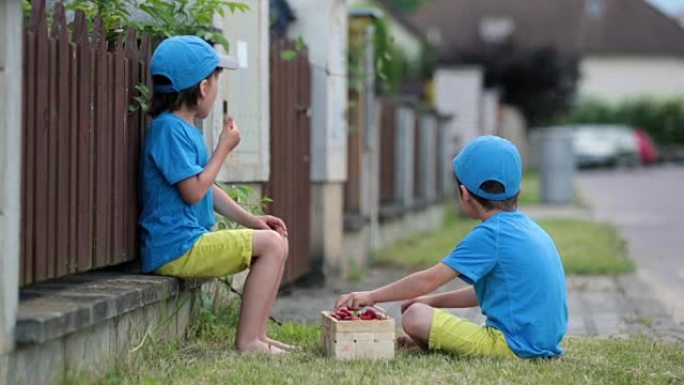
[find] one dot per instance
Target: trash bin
(556, 161)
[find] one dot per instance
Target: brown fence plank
(132, 144)
(102, 212)
(119, 151)
(417, 161)
(28, 168)
(41, 152)
(352, 187)
(60, 34)
(51, 184)
(84, 61)
(387, 153)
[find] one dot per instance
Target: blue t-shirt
(519, 281)
(174, 151)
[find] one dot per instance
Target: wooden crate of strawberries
(364, 334)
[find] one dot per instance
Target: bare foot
(260, 347)
(278, 344)
(405, 342)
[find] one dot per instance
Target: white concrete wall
(402, 36)
(458, 93)
(489, 112)
(10, 172)
(405, 40)
(619, 77)
(323, 26)
(246, 92)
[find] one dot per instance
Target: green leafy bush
(166, 17)
(662, 118)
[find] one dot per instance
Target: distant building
(627, 48)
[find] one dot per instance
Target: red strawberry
(372, 314)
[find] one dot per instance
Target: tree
(541, 82)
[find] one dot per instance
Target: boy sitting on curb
(512, 264)
(179, 194)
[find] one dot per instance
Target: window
(495, 30)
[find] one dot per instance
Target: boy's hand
(230, 136)
(269, 222)
(355, 300)
(410, 302)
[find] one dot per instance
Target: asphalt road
(647, 205)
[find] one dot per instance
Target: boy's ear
(203, 88)
(465, 194)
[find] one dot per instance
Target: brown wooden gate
(290, 181)
(388, 153)
(81, 145)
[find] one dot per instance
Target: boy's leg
(416, 321)
(276, 286)
(258, 294)
(435, 329)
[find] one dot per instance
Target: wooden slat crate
(348, 340)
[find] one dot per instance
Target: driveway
(647, 205)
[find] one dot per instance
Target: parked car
(606, 145)
(647, 149)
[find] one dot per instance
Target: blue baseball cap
(186, 61)
(489, 158)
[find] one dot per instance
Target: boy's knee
(270, 243)
(416, 318)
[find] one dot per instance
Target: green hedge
(662, 118)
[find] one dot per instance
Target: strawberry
(371, 313)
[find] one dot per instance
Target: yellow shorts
(215, 254)
(452, 334)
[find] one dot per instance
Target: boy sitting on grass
(512, 264)
(179, 194)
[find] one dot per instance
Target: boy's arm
(461, 298)
(226, 206)
(411, 286)
(193, 189)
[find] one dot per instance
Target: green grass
(208, 358)
(530, 194)
(586, 247)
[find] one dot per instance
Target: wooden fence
(81, 144)
(355, 150)
(388, 149)
(290, 182)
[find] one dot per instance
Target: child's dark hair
(492, 187)
(172, 101)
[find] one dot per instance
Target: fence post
(10, 173)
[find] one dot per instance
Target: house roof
(577, 26)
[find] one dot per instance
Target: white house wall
(490, 108)
(323, 26)
(458, 93)
(10, 173)
(246, 93)
(403, 38)
(618, 77)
